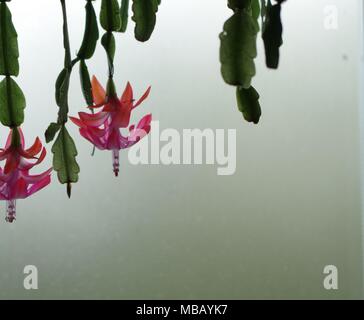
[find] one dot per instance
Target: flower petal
(145, 96)
(145, 122)
(8, 140)
(3, 177)
(4, 154)
(33, 150)
(114, 141)
(121, 119)
(142, 129)
(127, 94)
(113, 105)
(32, 179)
(77, 122)
(39, 185)
(26, 165)
(98, 91)
(93, 120)
(3, 197)
(18, 190)
(12, 163)
(22, 140)
(95, 140)
(95, 106)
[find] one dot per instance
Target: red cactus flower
(102, 129)
(15, 180)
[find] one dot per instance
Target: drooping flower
(102, 129)
(15, 180)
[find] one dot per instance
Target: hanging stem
(64, 149)
(109, 45)
(64, 78)
(66, 39)
(111, 22)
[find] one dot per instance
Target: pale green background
(292, 207)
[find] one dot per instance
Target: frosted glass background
(182, 232)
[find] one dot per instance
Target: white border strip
(361, 124)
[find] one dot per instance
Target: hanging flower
(15, 180)
(102, 129)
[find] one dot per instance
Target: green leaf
(272, 34)
(86, 83)
(248, 104)
(124, 13)
(12, 103)
(238, 49)
(239, 4)
(249, 5)
(50, 133)
(108, 42)
(110, 18)
(9, 53)
(91, 35)
(64, 159)
(62, 85)
(144, 16)
(255, 5)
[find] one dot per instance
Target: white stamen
(116, 161)
(11, 211)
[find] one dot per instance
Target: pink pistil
(116, 161)
(11, 211)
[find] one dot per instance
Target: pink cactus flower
(15, 180)
(102, 129)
